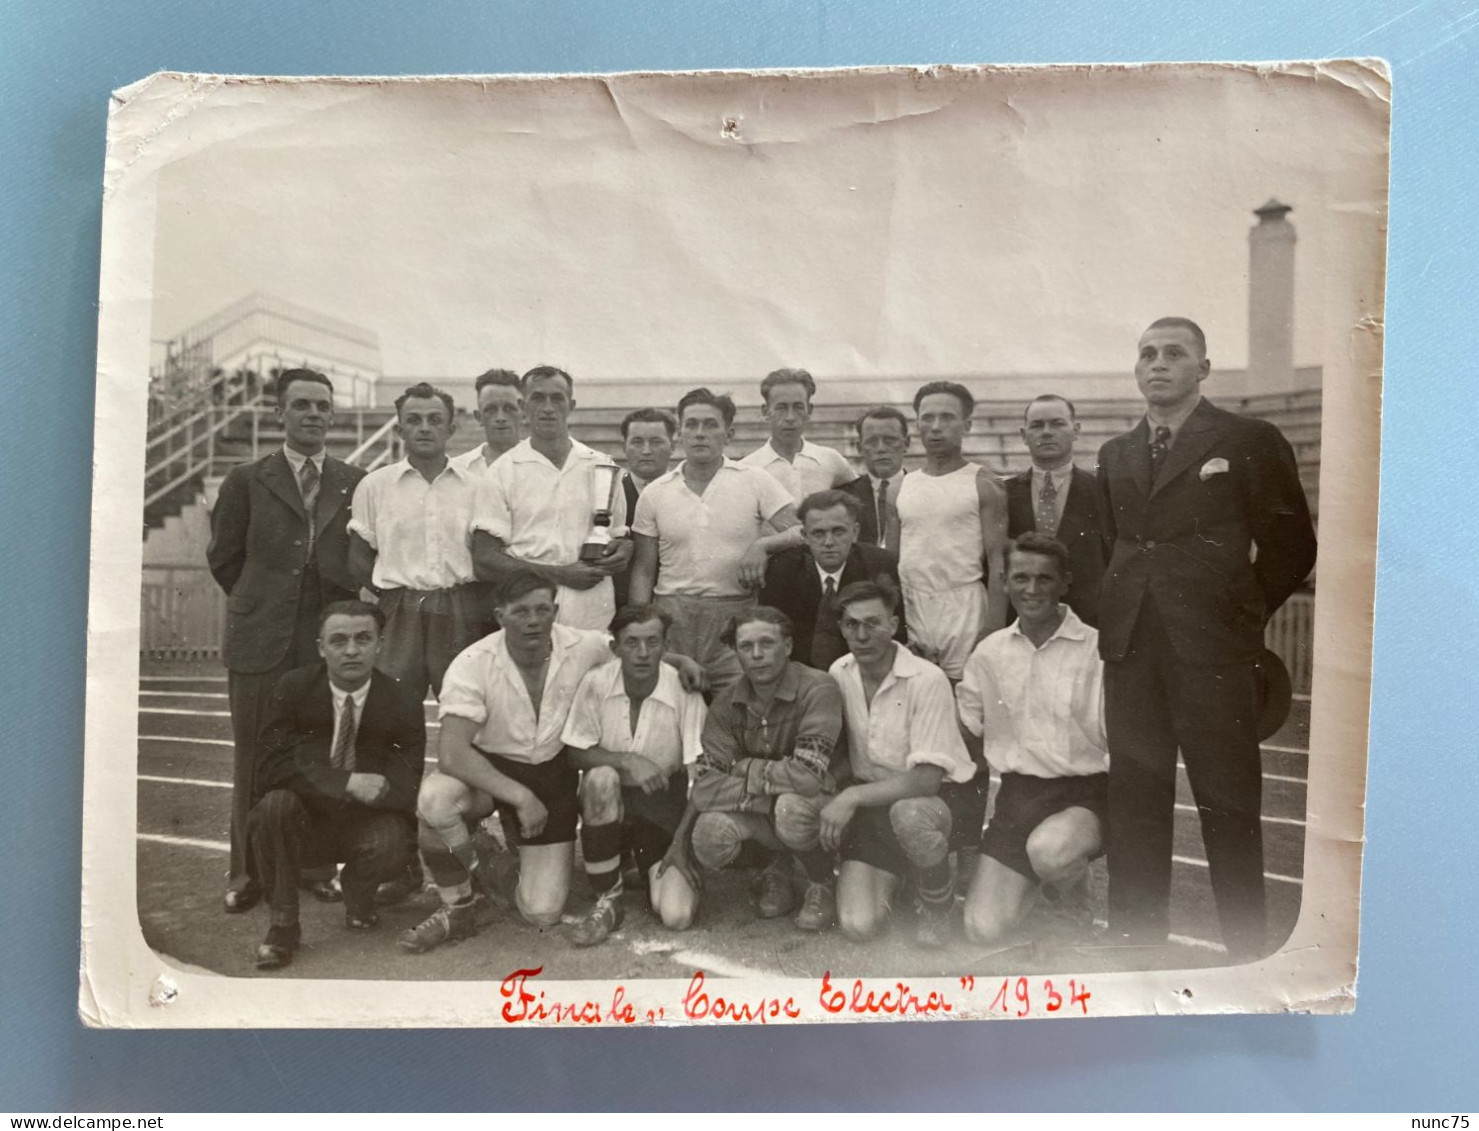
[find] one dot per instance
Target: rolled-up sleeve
(362, 509)
(491, 509)
(464, 691)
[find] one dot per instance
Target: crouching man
(504, 705)
(340, 761)
(766, 771)
(1033, 692)
(893, 820)
(633, 732)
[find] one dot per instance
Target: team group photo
(619, 550)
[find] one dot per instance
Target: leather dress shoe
(238, 900)
(277, 950)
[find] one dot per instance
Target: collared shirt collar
(1175, 426)
(1071, 629)
(822, 574)
(359, 695)
(1059, 474)
(404, 465)
(525, 452)
(790, 685)
(666, 691)
(807, 449)
(906, 665)
(676, 471)
(893, 480)
(296, 460)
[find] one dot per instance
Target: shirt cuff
(956, 769)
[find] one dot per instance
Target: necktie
(342, 756)
(1158, 449)
(827, 644)
(882, 512)
(308, 485)
(1046, 518)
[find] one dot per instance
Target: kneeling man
(905, 749)
(504, 704)
(1033, 692)
(340, 760)
(633, 732)
(766, 770)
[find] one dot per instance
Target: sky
(1000, 222)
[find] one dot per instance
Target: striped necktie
(882, 511)
(342, 756)
(308, 484)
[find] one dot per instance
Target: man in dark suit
(883, 442)
(803, 582)
(1059, 500)
(279, 548)
(647, 437)
(341, 761)
(1187, 496)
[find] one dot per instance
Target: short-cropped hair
(648, 416)
(1035, 543)
(881, 589)
(788, 377)
(761, 614)
(722, 401)
(1042, 397)
(520, 583)
(425, 391)
(498, 377)
(954, 388)
(540, 372)
(826, 500)
(352, 608)
(628, 615)
(288, 376)
(882, 412)
(1175, 321)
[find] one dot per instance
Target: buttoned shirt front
(476, 460)
(911, 721)
(418, 530)
(1039, 711)
(483, 684)
(815, 468)
(670, 721)
(1062, 481)
(359, 695)
(701, 538)
(542, 514)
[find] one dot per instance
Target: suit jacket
(293, 751)
(792, 585)
(258, 554)
(1079, 529)
(1229, 483)
(861, 489)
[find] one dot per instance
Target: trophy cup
(605, 478)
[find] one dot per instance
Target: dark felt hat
(1275, 694)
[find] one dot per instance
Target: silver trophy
(605, 478)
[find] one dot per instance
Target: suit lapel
(333, 492)
(1197, 435)
(1137, 454)
(278, 476)
(320, 708)
(1076, 508)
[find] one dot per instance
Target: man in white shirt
(1034, 694)
(408, 542)
(703, 532)
(797, 464)
(500, 411)
(504, 705)
(633, 732)
(904, 748)
(534, 508)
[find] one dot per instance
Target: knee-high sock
(600, 847)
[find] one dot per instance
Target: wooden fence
(183, 615)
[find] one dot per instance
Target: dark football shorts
(555, 783)
(649, 820)
(1024, 802)
(870, 838)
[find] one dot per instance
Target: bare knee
(860, 917)
(984, 926)
(441, 799)
(675, 902)
(539, 909)
(600, 795)
(1052, 854)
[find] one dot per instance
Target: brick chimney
(1271, 300)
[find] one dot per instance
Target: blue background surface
(1410, 1045)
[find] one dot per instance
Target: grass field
(184, 770)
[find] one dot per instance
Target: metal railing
(182, 444)
(379, 448)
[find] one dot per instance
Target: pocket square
(1213, 467)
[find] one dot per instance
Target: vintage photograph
(734, 548)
